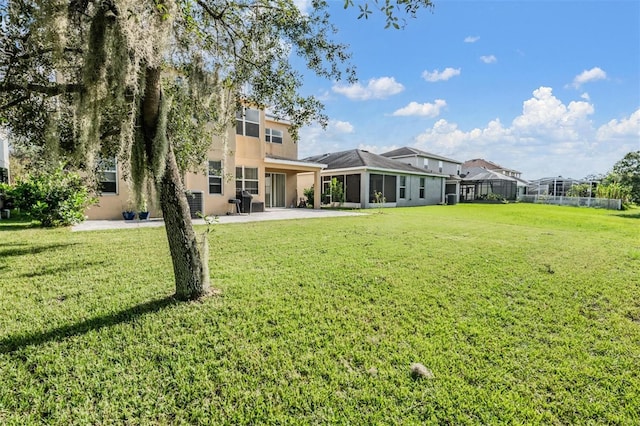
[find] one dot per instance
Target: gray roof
(357, 158)
(490, 165)
(480, 173)
(406, 151)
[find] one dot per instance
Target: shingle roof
(406, 151)
(480, 173)
(356, 158)
(481, 162)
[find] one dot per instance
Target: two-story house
(432, 163)
(489, 165)
(482, 177)
(260, 157)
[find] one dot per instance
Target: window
(247, 179)
(248, 122)
(426, 163)
(108, 175)
(386, 184)
(273, 135)
(215, 177)
(440, 166)
(458, 169)
(421, 187)
(403, 187)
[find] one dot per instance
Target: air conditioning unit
(196, 203)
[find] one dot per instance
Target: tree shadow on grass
(629, 216)
(67, 267)
(24, 249)
(14, 343)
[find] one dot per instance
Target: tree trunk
(188, 268)
(191, 278)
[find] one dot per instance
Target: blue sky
(549, 88)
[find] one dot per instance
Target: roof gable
(489, 165)
(406, 151)
(357, 158)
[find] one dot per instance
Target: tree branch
(55, 90)
(14, 102)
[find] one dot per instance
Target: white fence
(600, 203)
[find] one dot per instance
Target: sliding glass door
(275, 188)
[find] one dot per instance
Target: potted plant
(128, 213)
(143, 211)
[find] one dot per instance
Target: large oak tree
(149, 80)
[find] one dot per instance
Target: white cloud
(624, 128)
(341, 126)
(489, 59)
(377, 149)
(587, 76)
(546, 114)
(315, 140)
(585, 96)
(376, 88)
(471, 39)
(436, 75)
(423, 110)
(548, 138)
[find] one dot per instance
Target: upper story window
(440, 166)
(273, 135)
(426, 163)
(215, 177)
(458, 169)
(248, 122)
(108, 175)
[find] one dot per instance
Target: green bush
(54, 198)
(309, 193)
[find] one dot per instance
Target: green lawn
(525, 314)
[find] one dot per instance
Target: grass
(524, 314)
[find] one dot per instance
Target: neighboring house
(364, 174)
(479, 163)
(4, 156)
(260, 158)
(481, 184)
(431, 163)
(557, 186)
(482, 163)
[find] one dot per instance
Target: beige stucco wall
(239, 151)
(305, 180)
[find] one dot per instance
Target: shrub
(309, 193)
(54, 198)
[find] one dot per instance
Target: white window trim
(401, 187)
(243, 179)
(269, 135)
(243, 118)
(115, 172)
(220, 176)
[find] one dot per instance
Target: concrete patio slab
(270, 214)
